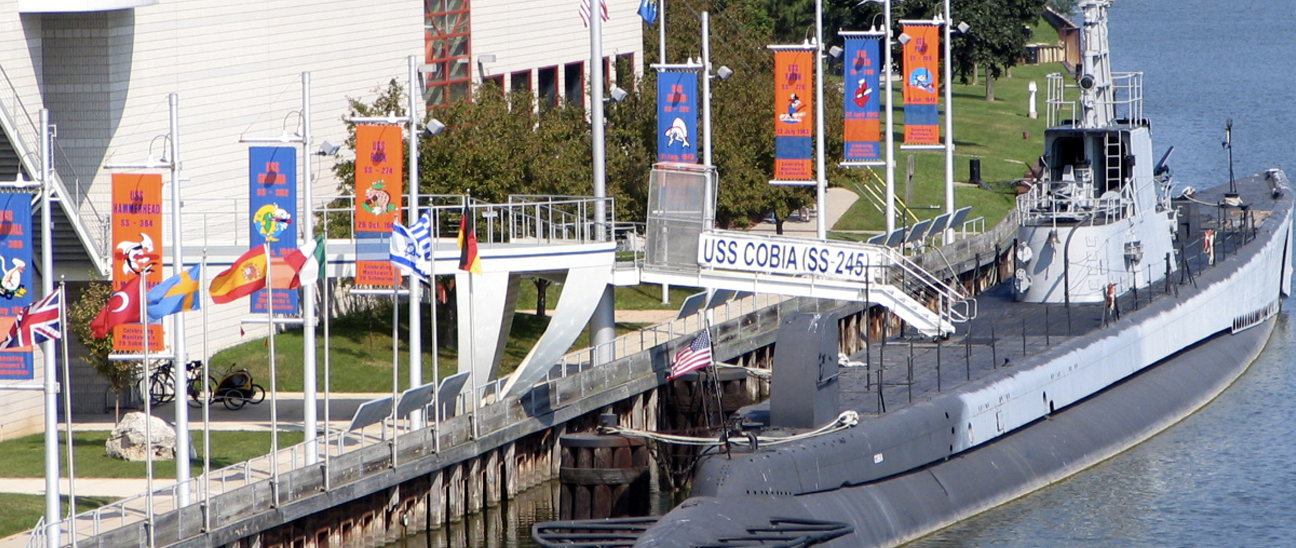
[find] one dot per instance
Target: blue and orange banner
(137, 249)
(921, 83)
(378, 184)
(16, 280)
(677, 120)
(793, 114)
(272, 180)
(863, 63)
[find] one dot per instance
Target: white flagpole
(436, 349)
(67, 413)
(148, 410)
(274, 391)
(327, 383)
(205, 392)
(178, 335)
(395, 356)
(52, 514)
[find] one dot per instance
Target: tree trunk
(542, 286)
(976, 72)
(989, 86)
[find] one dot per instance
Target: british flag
(38, 323)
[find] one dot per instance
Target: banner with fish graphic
(793, 115)
(16, 281)
(862, 66)
(677, 116)
(378, 185)
(272, 180)
(137, 250)
(921, 83)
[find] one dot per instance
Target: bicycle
(196, 388)
(162, 383)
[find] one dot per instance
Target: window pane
(433, 6)
(440, 74)
(454, 5)
(436, 96)
(458, 46)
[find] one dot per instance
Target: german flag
(468, 259)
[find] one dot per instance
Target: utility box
(803, 393)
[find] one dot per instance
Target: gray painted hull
(903, 507)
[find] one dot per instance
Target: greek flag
(411, 248)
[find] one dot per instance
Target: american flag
(585, 11)
(37, 323)
(692, 357)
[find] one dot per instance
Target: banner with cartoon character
(137, 249)
(921, 86)
(378, 178)
(16, 280)
(272, 177)
(863, 133)
(793, 114)
(677, 116)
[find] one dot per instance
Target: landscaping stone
(128, 441)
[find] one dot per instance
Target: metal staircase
(80, 232)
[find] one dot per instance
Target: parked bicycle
(161, 385)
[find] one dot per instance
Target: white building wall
(527, 35)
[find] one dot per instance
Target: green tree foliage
(1000, 30)
(92, 298)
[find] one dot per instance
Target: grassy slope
(24, 457)
(996, 132)
(22, 511)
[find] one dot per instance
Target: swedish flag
(178, 293)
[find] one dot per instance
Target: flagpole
(67, 414)
(274, 391)
(178, 333)
(661, 32)
(415, 287)
(206, 394)
(308, 290)
(325, 302)
(148, 411)
(472, 351)
(436, 349)
(52, 513)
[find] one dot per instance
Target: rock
(127, 441)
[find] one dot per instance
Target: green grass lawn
(22, 511)
(25, 457)
(999, 133)
(360, 355)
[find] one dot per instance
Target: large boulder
(128, 441)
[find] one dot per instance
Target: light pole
(52, 514)
(603, 323)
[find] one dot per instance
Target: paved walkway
(837, 201)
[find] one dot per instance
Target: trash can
(974, 171)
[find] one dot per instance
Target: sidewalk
(836, 200)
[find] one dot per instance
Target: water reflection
(505, 526)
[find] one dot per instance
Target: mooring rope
(845, 420)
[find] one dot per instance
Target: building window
(446, 35)
(547, 87)
(574, 83)
(520, 81)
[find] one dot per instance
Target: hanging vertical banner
(378, 186)
(272, 178)
(15, 278)
(921, 98)
(793, 115)
(137, 250)
(677, 116)
(863, 133)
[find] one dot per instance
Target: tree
(119, 374)
(999, 32)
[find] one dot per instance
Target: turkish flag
(123, 307)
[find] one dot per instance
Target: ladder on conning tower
(1112, 157)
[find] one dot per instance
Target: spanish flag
(468, 259)
(245, 276)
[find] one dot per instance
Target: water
(1224, 476)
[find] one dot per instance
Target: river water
(1225, 476)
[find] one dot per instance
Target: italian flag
(305, 263)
